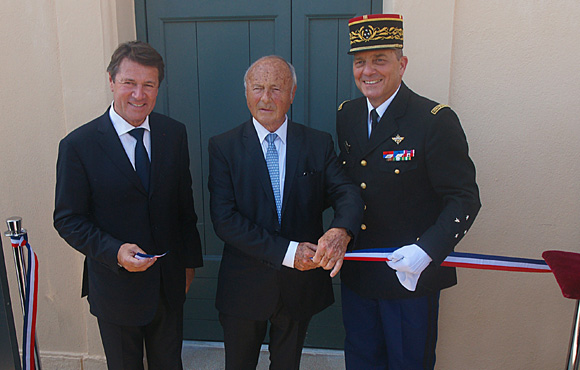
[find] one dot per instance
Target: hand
(189, 275)
(409, 262)
(410, 258)
(331, 248)
(303, 257)
(126, 258)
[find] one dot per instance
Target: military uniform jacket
(418, 185)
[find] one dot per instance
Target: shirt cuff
(290, 254)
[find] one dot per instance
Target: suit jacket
(252, 279)
(101, 204)
(431, 199)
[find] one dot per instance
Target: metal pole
(15, 230)
(573, 360)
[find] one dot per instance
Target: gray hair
(399, 53)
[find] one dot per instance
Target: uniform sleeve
(342, 194)
(452, 175)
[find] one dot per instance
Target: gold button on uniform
(363, 185)
(363, 227)
(397, 171)
(365, 207)
(343, 163)
(363, 163)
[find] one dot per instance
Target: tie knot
(137, 133)
(374, 115)
(271, 137)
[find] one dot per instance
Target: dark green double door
(207, 46)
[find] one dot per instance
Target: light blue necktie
(274, 170)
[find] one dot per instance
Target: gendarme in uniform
(418, 185)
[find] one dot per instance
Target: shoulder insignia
(341, 104)
(438, 108)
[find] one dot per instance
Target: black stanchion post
(15, 230)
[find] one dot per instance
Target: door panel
(207, 46)
(319, 52)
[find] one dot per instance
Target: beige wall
(509, 69)
(53, 61)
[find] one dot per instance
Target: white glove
(409, 262)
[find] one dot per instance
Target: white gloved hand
(409, 262)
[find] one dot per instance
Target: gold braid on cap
(370, 33)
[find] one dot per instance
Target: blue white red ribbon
(30, 302)
(460, 259)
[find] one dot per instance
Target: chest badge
(397, 139)
(399, 155)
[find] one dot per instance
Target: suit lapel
(113, 149)
(294, 141)
(388, 125)
(255, 155)
(359, 130)
(158, 144)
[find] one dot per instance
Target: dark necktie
(374, 120)
(142, 164)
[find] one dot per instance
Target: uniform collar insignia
(397, 139)
(347, 147)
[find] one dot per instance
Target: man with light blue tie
(270, 180)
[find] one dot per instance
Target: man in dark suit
(410, 157)
(270, 180)
(122, 201)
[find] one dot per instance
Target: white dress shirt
(380, 110)
(129, 142)
(280, 143)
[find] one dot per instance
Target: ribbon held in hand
(460, 259)
(409, 262)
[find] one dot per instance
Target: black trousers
(243, 339)
(162, 338)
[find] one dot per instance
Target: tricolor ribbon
(30, 302)
(460, 259)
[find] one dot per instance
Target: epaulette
(341, 104)
(438, 108)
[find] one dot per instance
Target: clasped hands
(328, 254)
